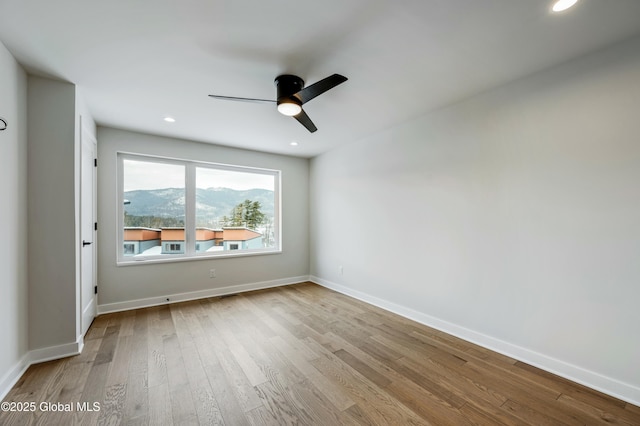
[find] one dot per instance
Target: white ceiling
(137, 61)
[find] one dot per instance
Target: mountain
(211, 203)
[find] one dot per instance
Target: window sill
(172, 259)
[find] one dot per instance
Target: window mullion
(190, 209)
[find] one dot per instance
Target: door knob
(85, 243)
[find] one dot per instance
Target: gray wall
(51, 192)
(130, 283)
(511, 219)
(13, 217)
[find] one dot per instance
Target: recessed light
(170, 119)
(562, 5)
(294, 143)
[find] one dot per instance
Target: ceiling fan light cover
(289, 108)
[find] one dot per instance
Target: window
(173, 209)
(173, 248)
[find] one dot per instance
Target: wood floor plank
(35, 385)
(182, 405)
(281, 405)
(112, 408)
(427, 405)
(530, 415)
(566, 387)
(489, 415)
(160, 405)
(235, 377)
(205, 405)
(334, 393)
(231, 411)
(384, 373)
(523, 396)
(451, 380)
(73, 381)
(274, 321)
(298, 354)
(355, 415)
(239, 352)
(97, 328)
(404, 386)
(593, 414)
(632, 410)
(127, 322)
(136, 405)
(156, 361)
(94, 391)
(379, 351)
(261, 417)
(226, 375)
(527, 376)
(364, 392)
(215, 390)
(119, 369)
(363, 368)
(419, 348)
(309, 403)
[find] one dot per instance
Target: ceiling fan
(291, 95)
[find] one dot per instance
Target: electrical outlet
(212, 273)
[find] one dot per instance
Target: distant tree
(247, 214)
(152, 221)
(268, 229)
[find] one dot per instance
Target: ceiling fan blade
(304, 119)
(318, 88)
(232, 98)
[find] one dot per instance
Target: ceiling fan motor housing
(288, 85)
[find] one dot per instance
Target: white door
(87, 229)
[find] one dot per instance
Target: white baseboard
(194, 295)
(55, 352)
(9, 380)
(34, 357)
(613, 387)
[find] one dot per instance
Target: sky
(146, 175)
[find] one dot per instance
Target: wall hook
(3, 124)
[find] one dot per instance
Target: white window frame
(190, 211)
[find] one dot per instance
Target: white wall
(13, 217)
(511, 219)
(140, 285)
(52, 213)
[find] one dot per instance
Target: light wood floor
(300, 354)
